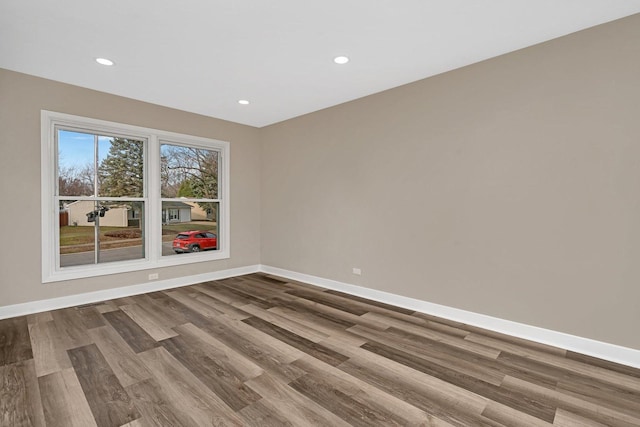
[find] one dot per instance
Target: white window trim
(154, 259)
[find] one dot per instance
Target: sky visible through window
(75, 149)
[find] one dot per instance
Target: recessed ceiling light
(243, 102)
(340, 60)
(104, 61)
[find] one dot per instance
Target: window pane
(188, 172)
(120, 169)
(77, 236)
(76, 160)
(120, 165)
(115, 225)
(189, 227)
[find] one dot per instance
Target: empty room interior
(320, 213)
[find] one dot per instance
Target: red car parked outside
(194, 241)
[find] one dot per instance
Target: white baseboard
(97, 296)
(614, 353)
(611, 352)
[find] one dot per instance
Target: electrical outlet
(153, 276)
(357, 271)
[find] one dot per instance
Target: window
(116, 197)
(189, 191)
(100, 184)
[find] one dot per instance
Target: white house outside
(173, 212)
(124, 215)
(116, 216)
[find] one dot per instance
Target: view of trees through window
(101, 197)
(100, 187)
(188, 172)
(121, 172)
(189, 190)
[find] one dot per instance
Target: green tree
(121, 172)
(186, 189)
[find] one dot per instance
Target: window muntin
(139, 202)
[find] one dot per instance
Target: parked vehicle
(194, 241)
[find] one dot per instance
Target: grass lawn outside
(75, 239)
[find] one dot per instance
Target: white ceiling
(204, 55)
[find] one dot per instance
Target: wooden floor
(256, 350)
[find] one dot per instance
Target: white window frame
(51, 270)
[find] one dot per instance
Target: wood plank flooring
(258, 350)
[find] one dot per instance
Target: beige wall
(21, 99)
(509, 188)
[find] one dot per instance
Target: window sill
(91, 270)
